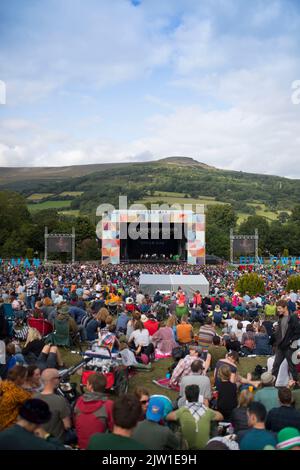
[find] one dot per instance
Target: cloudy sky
(93, 81)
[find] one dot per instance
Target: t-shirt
(154, 436)
(196, 379)
(196, 434)
(152, 326)
(140, 338)
(217, 353)
(59, 410)
(227, 398)
(257, 439)
(268, 396)
(184, 333)
(205, 336)
(113, 442)
(232, 324)
(284, 325)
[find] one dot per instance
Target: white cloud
(228, 67)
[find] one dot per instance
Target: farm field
(38, 196)
(48, 205)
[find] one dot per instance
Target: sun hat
(35, 411)
(217, 308)
(288, 438)
(155, 411)
(267, 378)
(129, 300)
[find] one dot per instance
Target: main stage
(160, 236)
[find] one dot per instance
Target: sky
(96, 81)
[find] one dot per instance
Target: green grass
(48, 205)
(70, 213)
(38, 196)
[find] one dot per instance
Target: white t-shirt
(141, 338)
(232, 324)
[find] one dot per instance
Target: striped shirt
(205, 336)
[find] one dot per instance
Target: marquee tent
(150, 283)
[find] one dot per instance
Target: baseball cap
(155, 411)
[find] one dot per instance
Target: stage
(153, 236)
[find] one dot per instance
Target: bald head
(49, 375)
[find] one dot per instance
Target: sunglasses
(144, 402)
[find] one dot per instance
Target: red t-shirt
(152, 326)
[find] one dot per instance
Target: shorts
(47, 361)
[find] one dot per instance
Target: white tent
(150, 283)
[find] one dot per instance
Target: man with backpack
(93, 411)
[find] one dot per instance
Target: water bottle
(2, 353)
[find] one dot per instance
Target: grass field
(38, 196)
(177, 200)
(159, 370)
(71, 213)
(48, 205)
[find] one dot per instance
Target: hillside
(80, 189)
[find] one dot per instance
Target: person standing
(32, 288)
(288, 330)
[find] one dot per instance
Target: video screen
(59, 245)
(243, 247)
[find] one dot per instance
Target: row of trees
(21, 231)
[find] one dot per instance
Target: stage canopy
(150, 283)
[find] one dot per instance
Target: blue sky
(92, 81)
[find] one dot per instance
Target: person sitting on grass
(28, 433)
(151, 433)
(183, 367)
(227, 393)
(93, 411)
(143, 395)
(126, 415)
(129, 358)
(194, 419)
(257, 438)
(184, 331)
(197, 377)
(285, 414)
(12, 396)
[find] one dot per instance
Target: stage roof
(150, 283)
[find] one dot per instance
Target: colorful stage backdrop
(195, 233)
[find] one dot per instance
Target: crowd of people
(202, 339)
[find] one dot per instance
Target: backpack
(178, 353)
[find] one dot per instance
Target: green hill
(169, 180)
